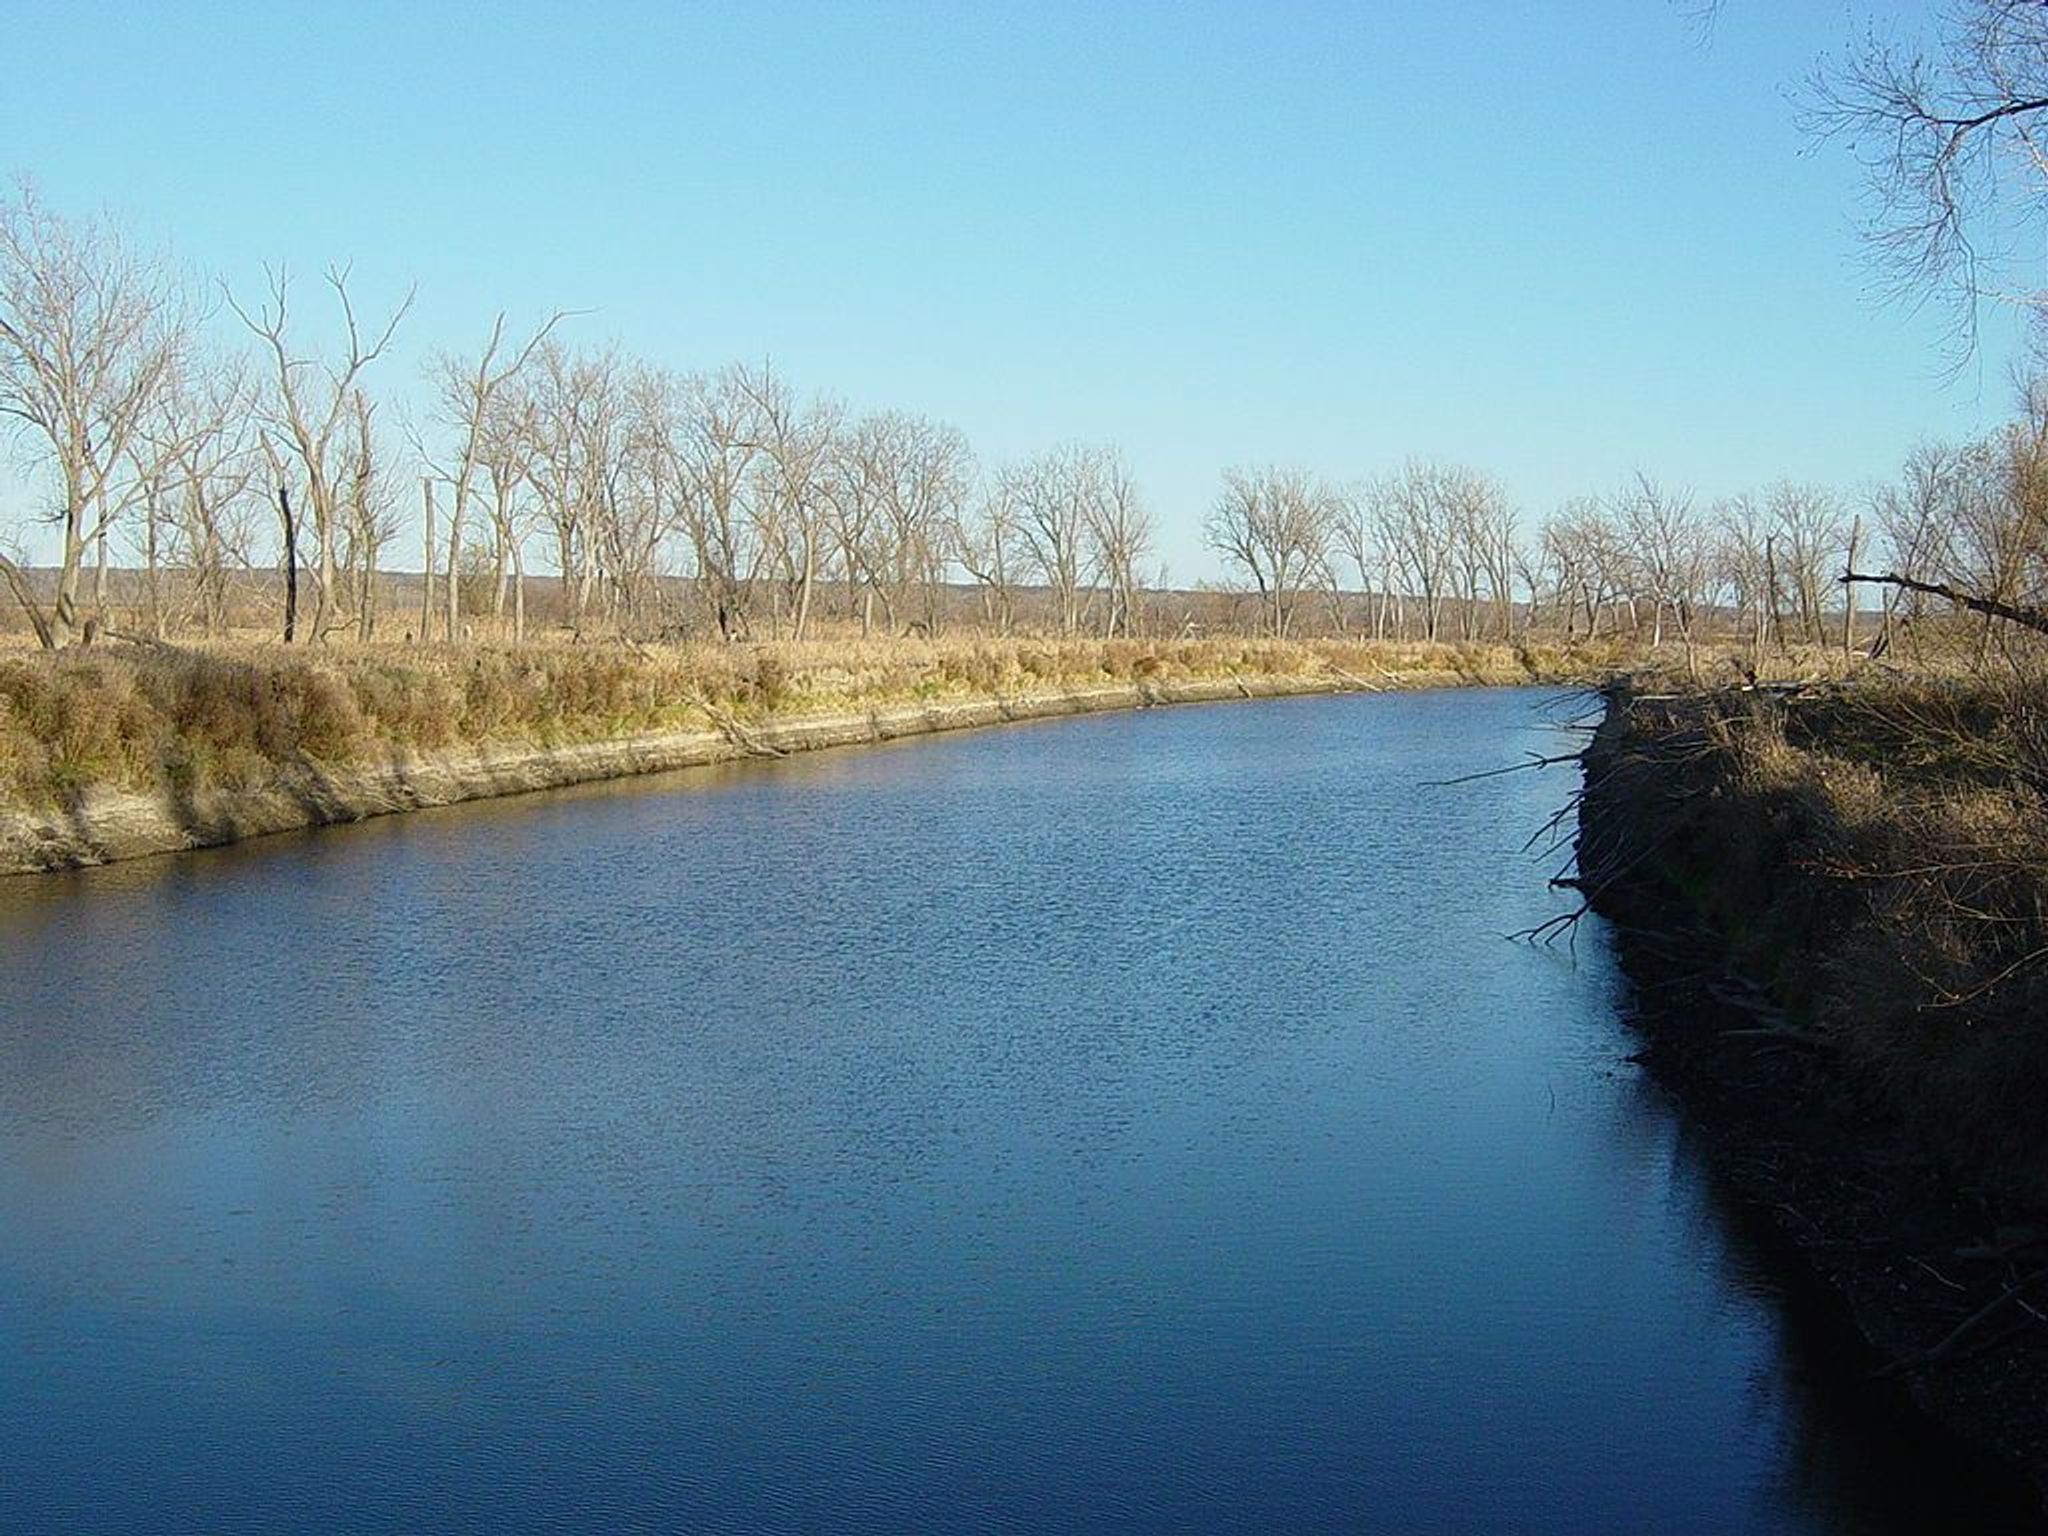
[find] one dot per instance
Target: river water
(1138, 1123)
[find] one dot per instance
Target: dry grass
(1875, 854)
(227, 716)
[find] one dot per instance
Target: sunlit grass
(132, 716)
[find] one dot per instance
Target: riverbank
(127, 751)
(1832, 901)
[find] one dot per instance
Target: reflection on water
(1135, 1123)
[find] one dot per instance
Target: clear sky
(1556, 241)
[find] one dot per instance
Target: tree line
(199, 442)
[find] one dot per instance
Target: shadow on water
(1856, 1443)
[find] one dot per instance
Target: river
(1136, 1123)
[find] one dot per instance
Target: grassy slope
(137, 718)
(1874, 857)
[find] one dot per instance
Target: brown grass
(138, 717)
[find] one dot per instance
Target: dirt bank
(103, 824)
(1750, 946)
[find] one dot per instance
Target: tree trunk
(1849, 590)
(518, 594)
(99, 576)
(291, 564)
(803, 589)
(323, 600)
(149, 559)
(455, 510)
(427, 575)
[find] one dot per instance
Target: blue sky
(1556, 241)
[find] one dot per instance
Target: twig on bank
(1535, 760)
(1547, 931)
(2005, 1246)
(1957, 999)
(1938, 1275)
(1940, 1351)
(1783, 1034)
(730, 727)
(1353, 679)
(147, 642)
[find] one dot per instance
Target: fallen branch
(1782, 1033)
(147, 642)
(1939, 1351)
(1354, 681)
(730, 727)
(18, 585)
(2027, 617)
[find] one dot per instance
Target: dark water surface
(1128, 1124)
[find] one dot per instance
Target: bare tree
(1052, 493)
(1591, 562)
(985, 544)
(1481, 524)
(1809, 530)
(1917, 520)
(467, 391)
(793, 503)
(288, 528)
(310, 406)
(1276, 525)
(1534, 563)
(933, 473)
(196, 468)
(1972, 528)
(576, 421)
(1419, 514)
(1672, 556)
(508, 459)
(1745, 559)
(368, 510)
(635, 500)
(91, 332)
(1355, 535)
(1121, 530)
(859, 469)
(713, 444)
(1950, 137)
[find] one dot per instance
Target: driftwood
(731, 729)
